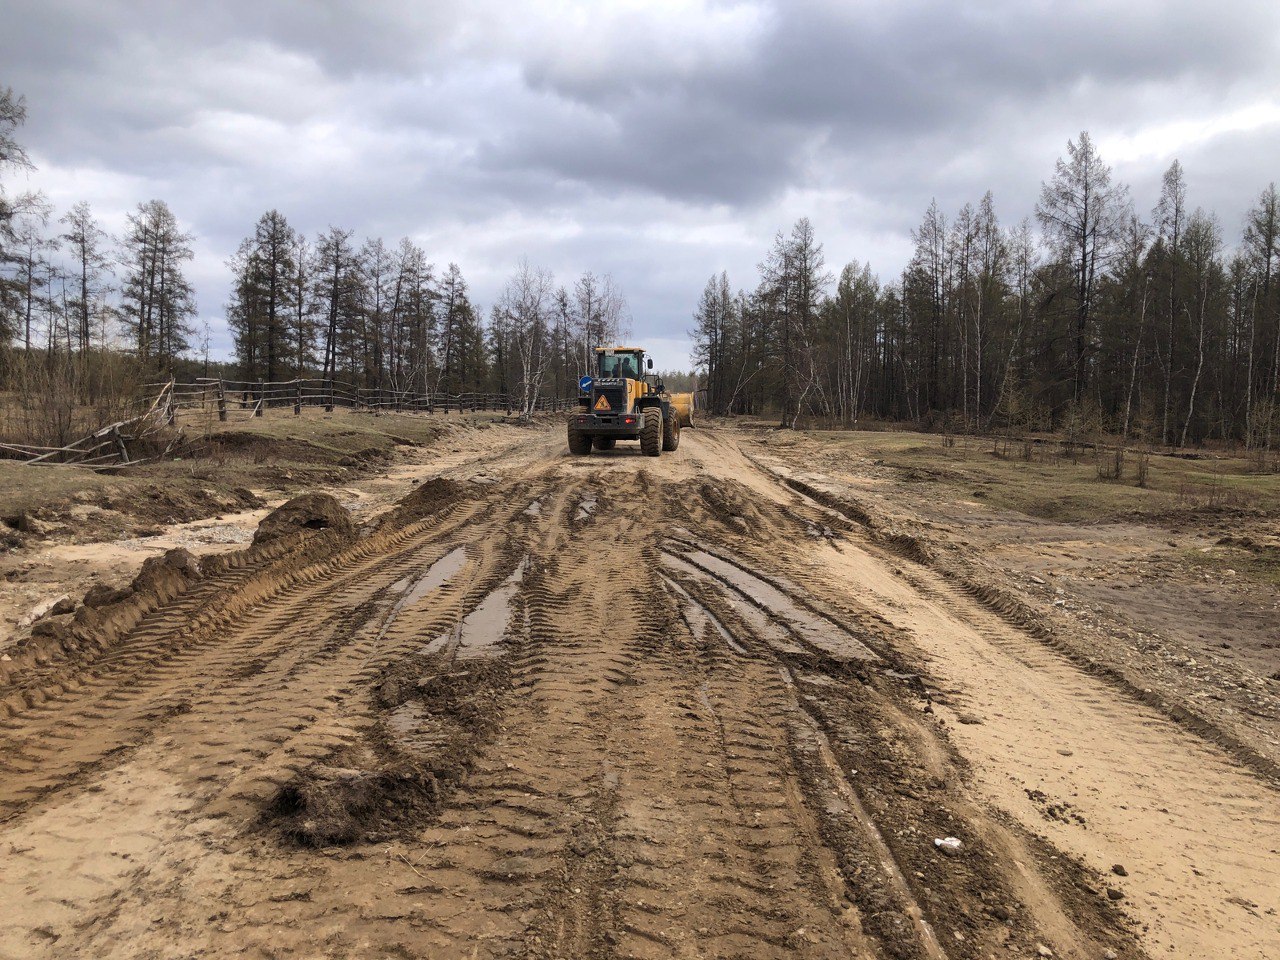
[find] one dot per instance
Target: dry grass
(1053, 485)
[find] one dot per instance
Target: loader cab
(622, 362)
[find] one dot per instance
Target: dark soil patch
(400, 776)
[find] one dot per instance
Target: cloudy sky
(655, 140)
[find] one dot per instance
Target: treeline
(71, 295)
(1095, 316)
(84, 316)
(381, 317)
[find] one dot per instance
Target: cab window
(619, 365)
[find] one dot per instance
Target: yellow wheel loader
(623, 400)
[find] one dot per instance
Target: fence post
(124, 451)
(222, 401)
(328, 407)
(297, 398)
(262, 399)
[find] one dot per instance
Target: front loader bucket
(682, 403)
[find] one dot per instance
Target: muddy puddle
(697, 617)
(764, 596)
(415, 729)
(437, 575)
(755, 618)
(481, 629)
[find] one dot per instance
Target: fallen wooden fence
(116, 444)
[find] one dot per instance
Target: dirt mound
(734, 507)
(426, 499)
(311, 511)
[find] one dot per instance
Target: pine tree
(158, 300)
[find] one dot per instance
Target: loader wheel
(605, 443)
(579, 443)
(670, 432)
(651, 433)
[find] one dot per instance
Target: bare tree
(158, 300)
(1170, 219)
(1203, 247)
(521, 319)
(1262, 247)
(600, 310)
(29, 253)
(85, 241)
(1081, 211)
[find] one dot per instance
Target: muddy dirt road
(609, 707)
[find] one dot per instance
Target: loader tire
(670, 432)
(579, 443)
(605, 443)
(651, 433)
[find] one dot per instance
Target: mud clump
(167, 574)
(309, 512)
(730, 507)
(101, 595)
(327, 805)
(433, 720)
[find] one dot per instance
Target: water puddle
(696, 617)
(759, 622)
(586, 507)
(816, 630)
(534, 509)
(437, 575)
(416, 730)
(476, 634)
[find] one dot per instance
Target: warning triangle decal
(603, 403)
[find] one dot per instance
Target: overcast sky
(656, 140)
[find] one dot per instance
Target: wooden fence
(230, 398)
(122, 443)
(138, 439)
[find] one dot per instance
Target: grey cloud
(658, 144)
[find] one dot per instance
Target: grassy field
(1052, 485)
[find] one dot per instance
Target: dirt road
(610, 707)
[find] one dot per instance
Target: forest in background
(1094, 317)
(86, 318)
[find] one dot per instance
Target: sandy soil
(612, 707)
(66, 564)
